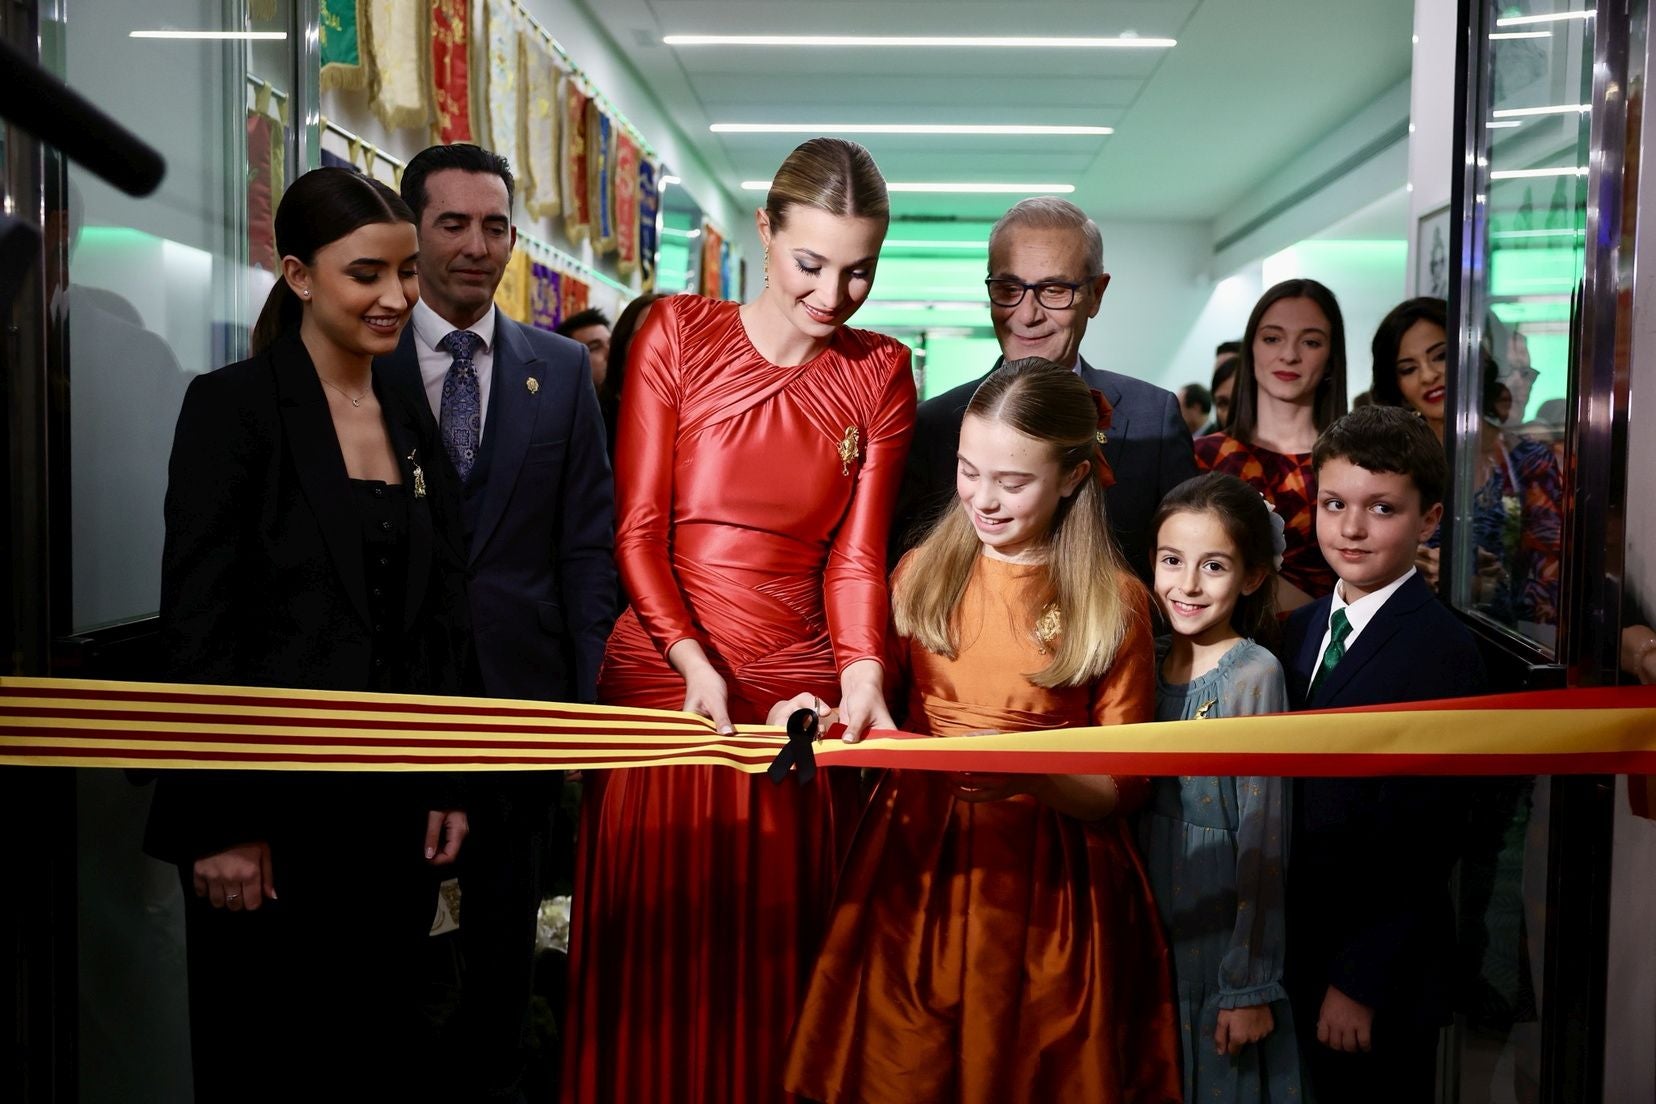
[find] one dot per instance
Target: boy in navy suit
(1370, 924)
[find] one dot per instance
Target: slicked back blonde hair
(832, 175)
(1083, 571)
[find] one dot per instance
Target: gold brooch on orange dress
(1048, 626)
(849, 449)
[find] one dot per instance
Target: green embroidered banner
(341, 34)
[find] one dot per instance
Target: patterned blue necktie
(460, 417)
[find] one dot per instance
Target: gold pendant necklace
(356, 402)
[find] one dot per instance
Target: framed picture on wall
(1433, 239)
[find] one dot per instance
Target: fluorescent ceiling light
(900, 128)
(671, 180)
(1500, 36)
(1551, 17)
(1506, 123)
(1122, 42)
(914, 243)
(1555, 109)
(1539, 234)
(260, 36)
(1526, 174)
(673, 232)
(985, 189)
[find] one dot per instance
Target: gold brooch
(1048, 626)
(849, 449)
(1101, 437)
(532, 384)
(419, 474)
(1201, 710)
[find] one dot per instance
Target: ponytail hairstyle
(1253, 527)
(317, 210)
(832, 175)
(1084, 573)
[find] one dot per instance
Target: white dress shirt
(1359, 613)
(435, 361)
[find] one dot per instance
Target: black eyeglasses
(1051, 294)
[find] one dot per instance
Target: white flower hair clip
(1279, 532)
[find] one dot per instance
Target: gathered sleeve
(1127, 692)
(1250, 973)
(646, 437)
(854, 578)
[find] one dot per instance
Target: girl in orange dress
(760, 450)
(993, 938)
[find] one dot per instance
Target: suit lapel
(1305, 662)
(405, 443)
(402, 368)
(513, 408)
(1387, 620)
(314, 446)
(1117, 433)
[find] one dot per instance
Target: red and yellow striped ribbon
(84, 723)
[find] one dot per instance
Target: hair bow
(1102, 469)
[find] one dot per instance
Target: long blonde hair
(1084, 570)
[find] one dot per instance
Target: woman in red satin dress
(760, 450)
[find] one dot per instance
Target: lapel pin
(532, 384)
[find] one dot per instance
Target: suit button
(379, 629)
(386, 525)
(377, 592)
(383, 562)
(379, 492)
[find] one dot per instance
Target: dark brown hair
(830, 174)
(1387, 439)
(1388, 338)
(1331, 389)
(1246, 516)
(318, 209)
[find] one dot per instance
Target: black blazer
(1369, 910)
(541, 542)
(1148, 448)
(262, 579)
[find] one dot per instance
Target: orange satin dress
(1001, 952)
(701, 892)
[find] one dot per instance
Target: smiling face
(1033, 255)
(359, 290)
(466, 238)
(1010, 485)
(1290, 351)
(1200, 576)
(1422, 369)
(1369, 525)
(820, 267)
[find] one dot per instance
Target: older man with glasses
(1046, 281)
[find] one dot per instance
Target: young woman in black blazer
(312, 542)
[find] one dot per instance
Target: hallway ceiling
(1250, 83)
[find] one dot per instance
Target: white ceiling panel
(1250, 83)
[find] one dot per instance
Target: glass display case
(1540, 277)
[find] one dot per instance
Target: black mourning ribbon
(803, 728)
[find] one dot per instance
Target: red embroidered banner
(577, 199)
(625, 184)
(451, 69)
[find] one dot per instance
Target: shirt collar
(431, 327)
(1362, 611)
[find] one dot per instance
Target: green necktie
(1341, 628)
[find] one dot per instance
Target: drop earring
(767, 267)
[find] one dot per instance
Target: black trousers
(500, 874)
(313, 996)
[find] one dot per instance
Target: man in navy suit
(1046, 282)
(1370, 923)
(520, 424)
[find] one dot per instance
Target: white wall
(1159, 299)
(1431, 115)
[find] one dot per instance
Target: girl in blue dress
(1216, 848)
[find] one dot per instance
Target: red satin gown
(753, 502)
(995, 953)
